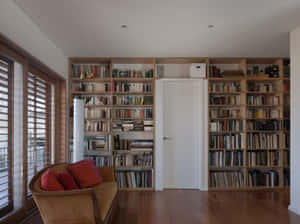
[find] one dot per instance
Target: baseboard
(294, 210)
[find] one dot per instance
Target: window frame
(10, 105)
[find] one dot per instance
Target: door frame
(159, 146)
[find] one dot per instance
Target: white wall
(295, 120)
(19, 28)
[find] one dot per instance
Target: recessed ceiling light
(124, 26)
(210, 26)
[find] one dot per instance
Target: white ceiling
(167, 28)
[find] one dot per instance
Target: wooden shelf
(132, 151)
(90, 93)
(133, 79)
(131, 93)
(136, 189)
(91, 80)
(243, 85)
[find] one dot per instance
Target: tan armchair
(94, 205)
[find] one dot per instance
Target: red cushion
(50, 182)
(84, 174)
(66, 179)
(93, 166)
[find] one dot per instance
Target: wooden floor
(191, 206)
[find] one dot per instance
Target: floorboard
(192, 206)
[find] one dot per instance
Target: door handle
(166, 138)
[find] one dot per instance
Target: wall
(295, 121)
(19, 28)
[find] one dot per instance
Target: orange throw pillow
(49, 181)
(84, 174)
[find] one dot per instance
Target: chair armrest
(66, 206)
(107, 173)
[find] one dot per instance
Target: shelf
(225, 93)
(225, 79)
(134, 79)
(131, 93)
(119, 105)
(263, 93)
(90, 93)
(263, 188)
(134, 167)
(264, 131)
(262, 79)
(226, 118)
(136, 189)
(132, 151)
(91, 80)
(265, 105)
(225, 105)
(97, 153)
(133, 119)
(226, 132)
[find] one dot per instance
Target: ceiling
(167, 28)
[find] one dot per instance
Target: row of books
(232, 158)
(118, 100)
(226, 125)
(286, 177)
(271, 70)
(263, 113)
(96, 143)
(264, 125)
(131, 113)
(263, 158)
(100, 161)
(224, 87)
(231, 179)
(132, 87)
(286, 157)
(214, 71)
(219, 100)
(146, 125)
(258, 178)
(140, 159)
(96, 113)
(97, 100)
(134, 145)
(263, 100)
(96, 126)
(261, 87)
(132, 100)
(91, 87)
(286, 140)
(224, 113)
(286, 87)
(134, 179)
(227, 141)
(131, 73)
(262, 141)
(90, 71)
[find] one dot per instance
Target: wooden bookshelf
(235, 78)
(253, 160)
(133, 82)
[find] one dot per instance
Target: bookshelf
(248, 124)
(119, 116)
(248, 128)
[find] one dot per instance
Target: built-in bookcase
(248, 128)
(248, 124)
(119, 116)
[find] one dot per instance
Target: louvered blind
(38, 125)
(6, 197)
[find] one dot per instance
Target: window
(38, 125)
(6, 185)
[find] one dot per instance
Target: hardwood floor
(191, 206)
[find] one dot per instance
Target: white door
(182, 111)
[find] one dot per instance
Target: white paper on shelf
(78, 153)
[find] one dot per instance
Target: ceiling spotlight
(210, 26)
(124, 26)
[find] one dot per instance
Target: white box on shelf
(198, 70)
